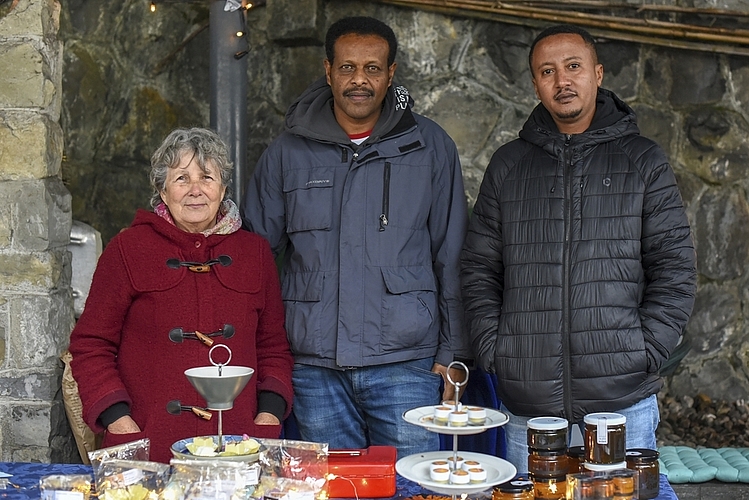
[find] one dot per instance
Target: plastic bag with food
(131, 480)
(211, 479)
(134, 450)
(67, 486)
(292, 470)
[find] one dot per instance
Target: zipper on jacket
(567, 172)
(385, 197)
(344, 155)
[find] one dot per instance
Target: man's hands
(456, 375)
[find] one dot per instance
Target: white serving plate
(423, 416)
(416, 468)
(180, 451)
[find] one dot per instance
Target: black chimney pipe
(228, 87)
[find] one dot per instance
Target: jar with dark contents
(625, 484)
(645, 462)
(605, 438)
(575, 458)
(549, 488)
(517, 489)
(548, 463)
(581, 487)
(547, 434)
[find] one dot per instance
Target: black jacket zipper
(567, 173)
(385, 197)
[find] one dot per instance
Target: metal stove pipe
(228, 88)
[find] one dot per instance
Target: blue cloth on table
(25, 477)
(24, 483)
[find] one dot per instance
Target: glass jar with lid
(549, 488)
(518, 489)
(547, 434)
(548, 463)
(605, 438)
(645, 462)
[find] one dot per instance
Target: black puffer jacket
(578, 269)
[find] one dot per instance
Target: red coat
(121, 347)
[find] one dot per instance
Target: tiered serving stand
(417, 467)
(219, 385)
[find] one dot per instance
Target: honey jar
(625, 484)
(547, 434)
(548, 463)
(605, 438)
(645, 462)
(552, 488)
(581, 487)
(517, 489)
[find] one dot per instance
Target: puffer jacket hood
(578, 269)
(311, 115)
(613, 118)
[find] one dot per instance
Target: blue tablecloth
(24, 481)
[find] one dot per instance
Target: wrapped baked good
(292, 470)
(211, 479)
(67, 486)
(134, 450)
(131, 480)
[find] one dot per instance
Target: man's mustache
(565, 92)
(369, 92)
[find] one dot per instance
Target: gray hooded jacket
(370, 234)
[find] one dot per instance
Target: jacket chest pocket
(309, 199)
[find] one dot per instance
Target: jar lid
(605, 467)
(610, 418)
(642, 454)
(547, 423)
(516, 486)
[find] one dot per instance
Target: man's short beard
(569, 114)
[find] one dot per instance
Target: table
(25, 477)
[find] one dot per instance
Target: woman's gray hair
(201, 143)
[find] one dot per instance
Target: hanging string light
(255, 3)
(153, 6)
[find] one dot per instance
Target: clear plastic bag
(211, 479)
(292, 470)
(65, 487)
(131, 480)
(134, 450)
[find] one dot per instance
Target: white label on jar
(62, 495)
(602, 434)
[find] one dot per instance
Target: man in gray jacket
(578, 267)
(365, 200)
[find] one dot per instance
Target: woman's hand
(265, 418)
(123, 425)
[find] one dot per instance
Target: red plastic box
(368, 473)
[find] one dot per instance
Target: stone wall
(36, 309)
(123, 92)
(129, 76)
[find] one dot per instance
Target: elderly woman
(177, 280)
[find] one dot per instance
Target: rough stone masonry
(35, 218)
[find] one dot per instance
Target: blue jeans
(364, 406)
(642, 421)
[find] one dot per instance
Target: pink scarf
(227, 219)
